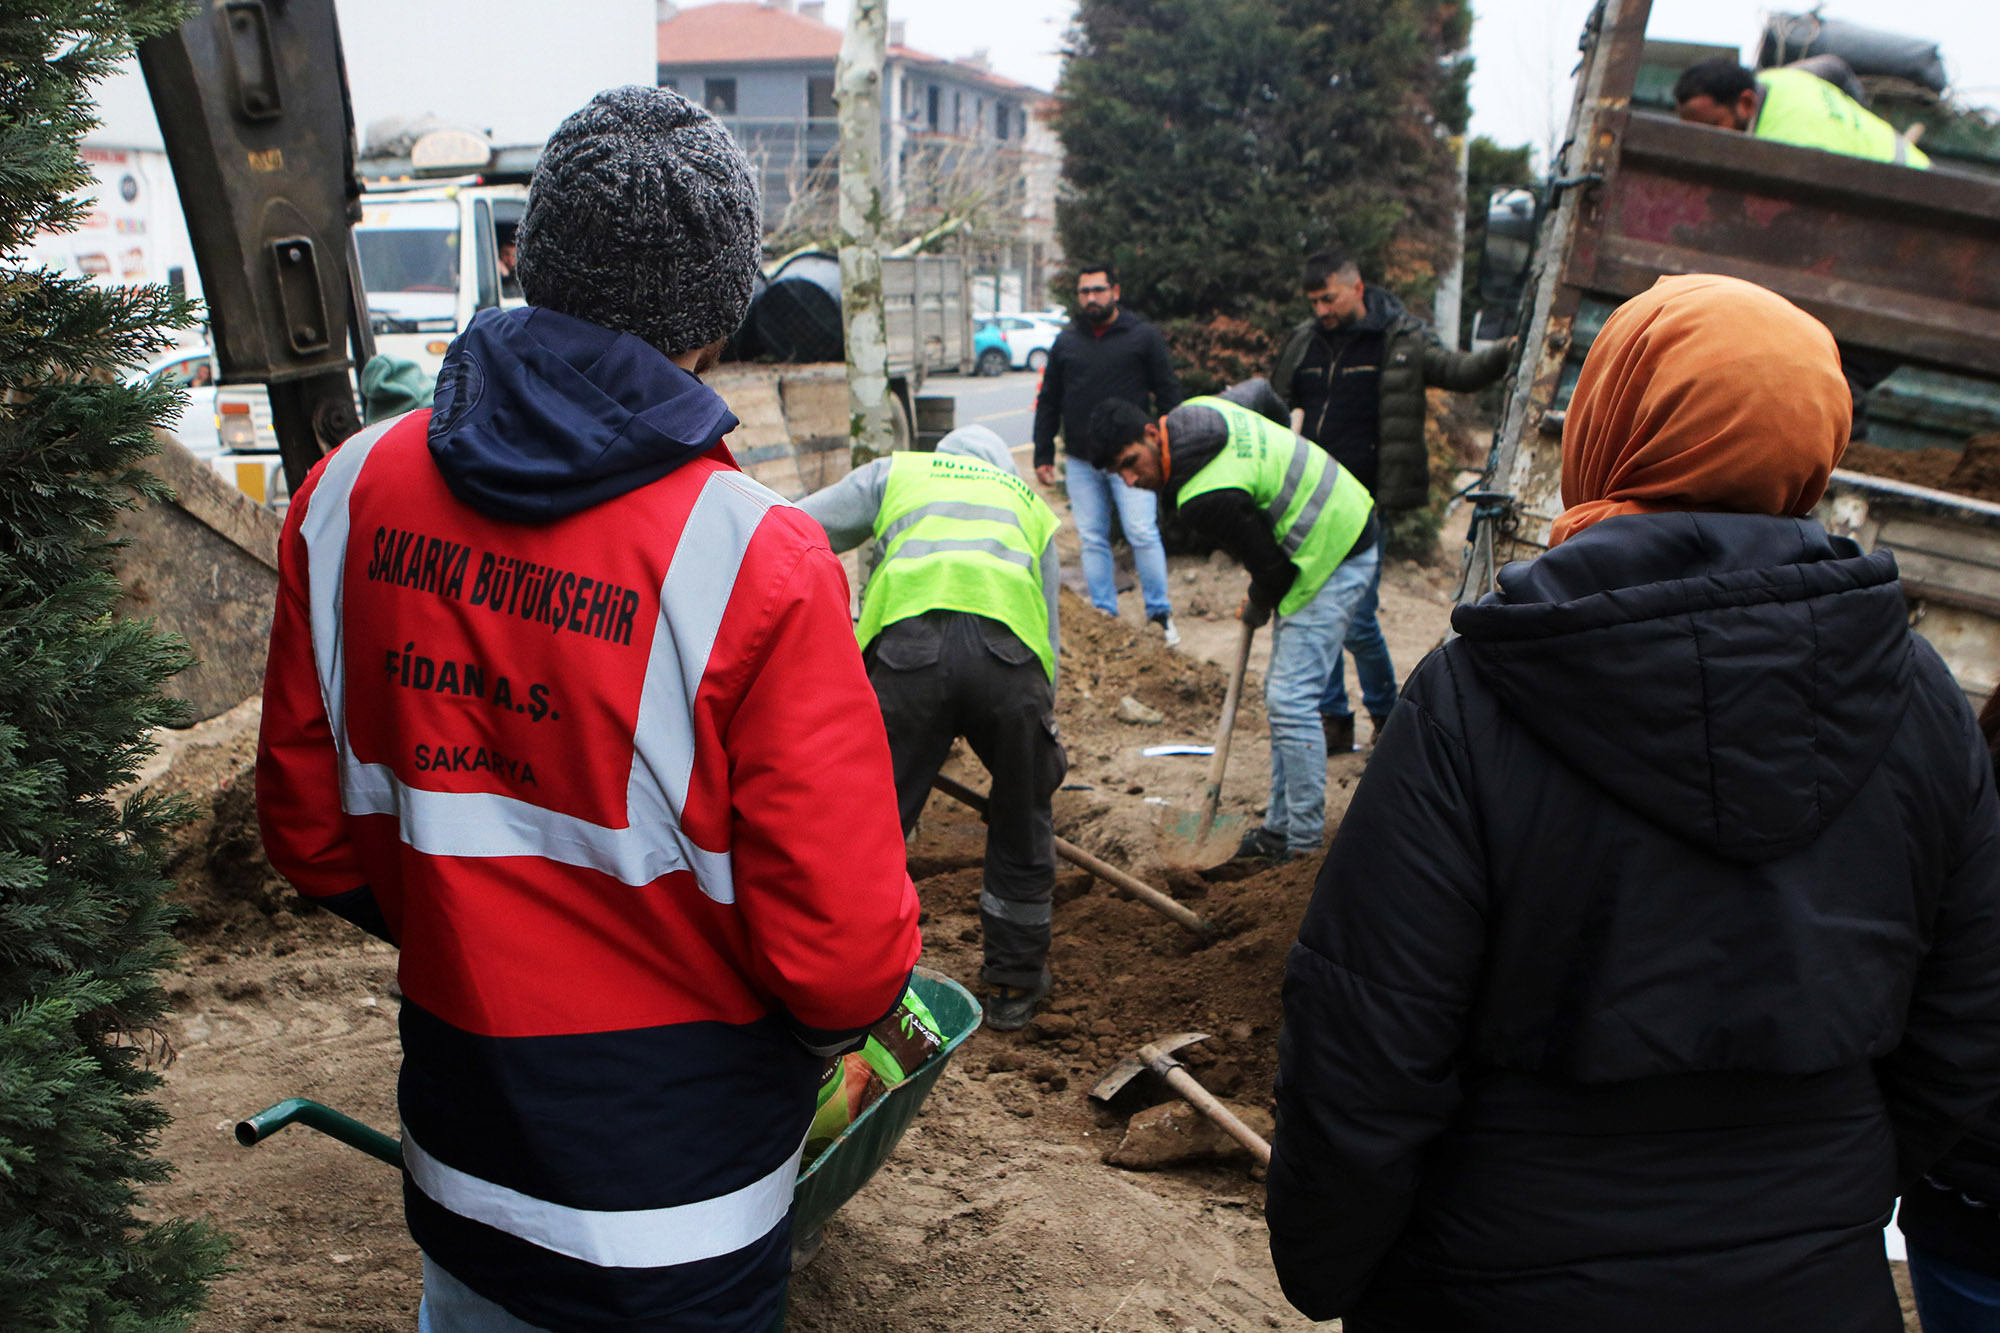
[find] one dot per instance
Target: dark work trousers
(947, 674)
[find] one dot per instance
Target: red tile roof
(743, 32)
(736, 33)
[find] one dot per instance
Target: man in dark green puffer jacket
(1354, 377)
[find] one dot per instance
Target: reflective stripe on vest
(632, 1238)
(944, 523)
(1805, 110)
(693, 598)
(1274, 465)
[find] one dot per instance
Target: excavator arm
(253, 107)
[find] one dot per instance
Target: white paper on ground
(1155, 751)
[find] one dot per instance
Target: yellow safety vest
(958, 534)
(1316, 507)
(1804, 109)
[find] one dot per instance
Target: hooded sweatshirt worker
(959, 624)
(567, 707)
(1660, 945)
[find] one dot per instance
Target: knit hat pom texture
(643, 217)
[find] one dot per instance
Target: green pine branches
(83, 924)
(1210, 145)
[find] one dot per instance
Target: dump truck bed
(1902, 265)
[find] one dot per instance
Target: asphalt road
(1006, 403)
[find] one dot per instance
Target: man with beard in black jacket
(1108, 354)
(1354, 377)
(1659, 948)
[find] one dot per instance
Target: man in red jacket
(570, 709)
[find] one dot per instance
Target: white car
(1029, 338)
(194, 368)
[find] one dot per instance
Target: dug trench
(998, 1210)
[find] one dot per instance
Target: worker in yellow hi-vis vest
(1303, 527)
(958, 630)
(1792, 106)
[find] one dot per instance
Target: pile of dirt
(1105, 660)
(1973, 472)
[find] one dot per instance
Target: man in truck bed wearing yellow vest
(1305, 530)
(1791, 106)
(958, 629)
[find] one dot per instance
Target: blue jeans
(1951, 1299)
(1371, 661)
(1092, 492)
(1304, 648)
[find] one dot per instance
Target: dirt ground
(997, 1212)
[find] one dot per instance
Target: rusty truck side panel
(1897, 262)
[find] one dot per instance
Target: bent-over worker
(1791, 105)
(959, 627)
(567, 707)
(1305, 529)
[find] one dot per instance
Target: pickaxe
(1158, 1056)
(1110, 874)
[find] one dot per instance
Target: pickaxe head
(1156, 1057)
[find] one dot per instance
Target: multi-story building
(960, 143)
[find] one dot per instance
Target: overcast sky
(502, 65)
(1524, 49)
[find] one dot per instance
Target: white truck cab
(432, 257)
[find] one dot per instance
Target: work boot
(1010, 1007)
(1377, 722)
(1168, 632)
(1339, 732)
(1262, 844)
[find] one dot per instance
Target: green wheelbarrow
(833, 1178)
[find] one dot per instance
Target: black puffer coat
(1412, 360)
(1659, 948)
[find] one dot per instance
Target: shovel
(1158, 1058)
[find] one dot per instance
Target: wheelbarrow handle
(298, 1110)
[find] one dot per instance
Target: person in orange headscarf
(1676, 407)
(1660, 946)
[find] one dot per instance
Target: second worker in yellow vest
(1304, 528)
(958, 630)
(1791, 105)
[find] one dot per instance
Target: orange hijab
(1705, 393)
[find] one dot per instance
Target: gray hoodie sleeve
(847, 509)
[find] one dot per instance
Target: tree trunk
(858, 85)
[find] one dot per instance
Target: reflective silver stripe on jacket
(918, 547)
(1295, 472)
(486, 824)
(973, 513)
(625, 1238)
(1315, 502)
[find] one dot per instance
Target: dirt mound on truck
(1973, 472)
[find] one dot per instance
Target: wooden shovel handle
(1212, 797)
(1203, 1101)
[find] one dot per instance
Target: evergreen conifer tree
(83, 923)
(1210, 145)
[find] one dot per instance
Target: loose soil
(1973, 471)
(997, 1213)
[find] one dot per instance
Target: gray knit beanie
(643, 217)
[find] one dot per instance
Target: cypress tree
(1210, 145)
(83, 923)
